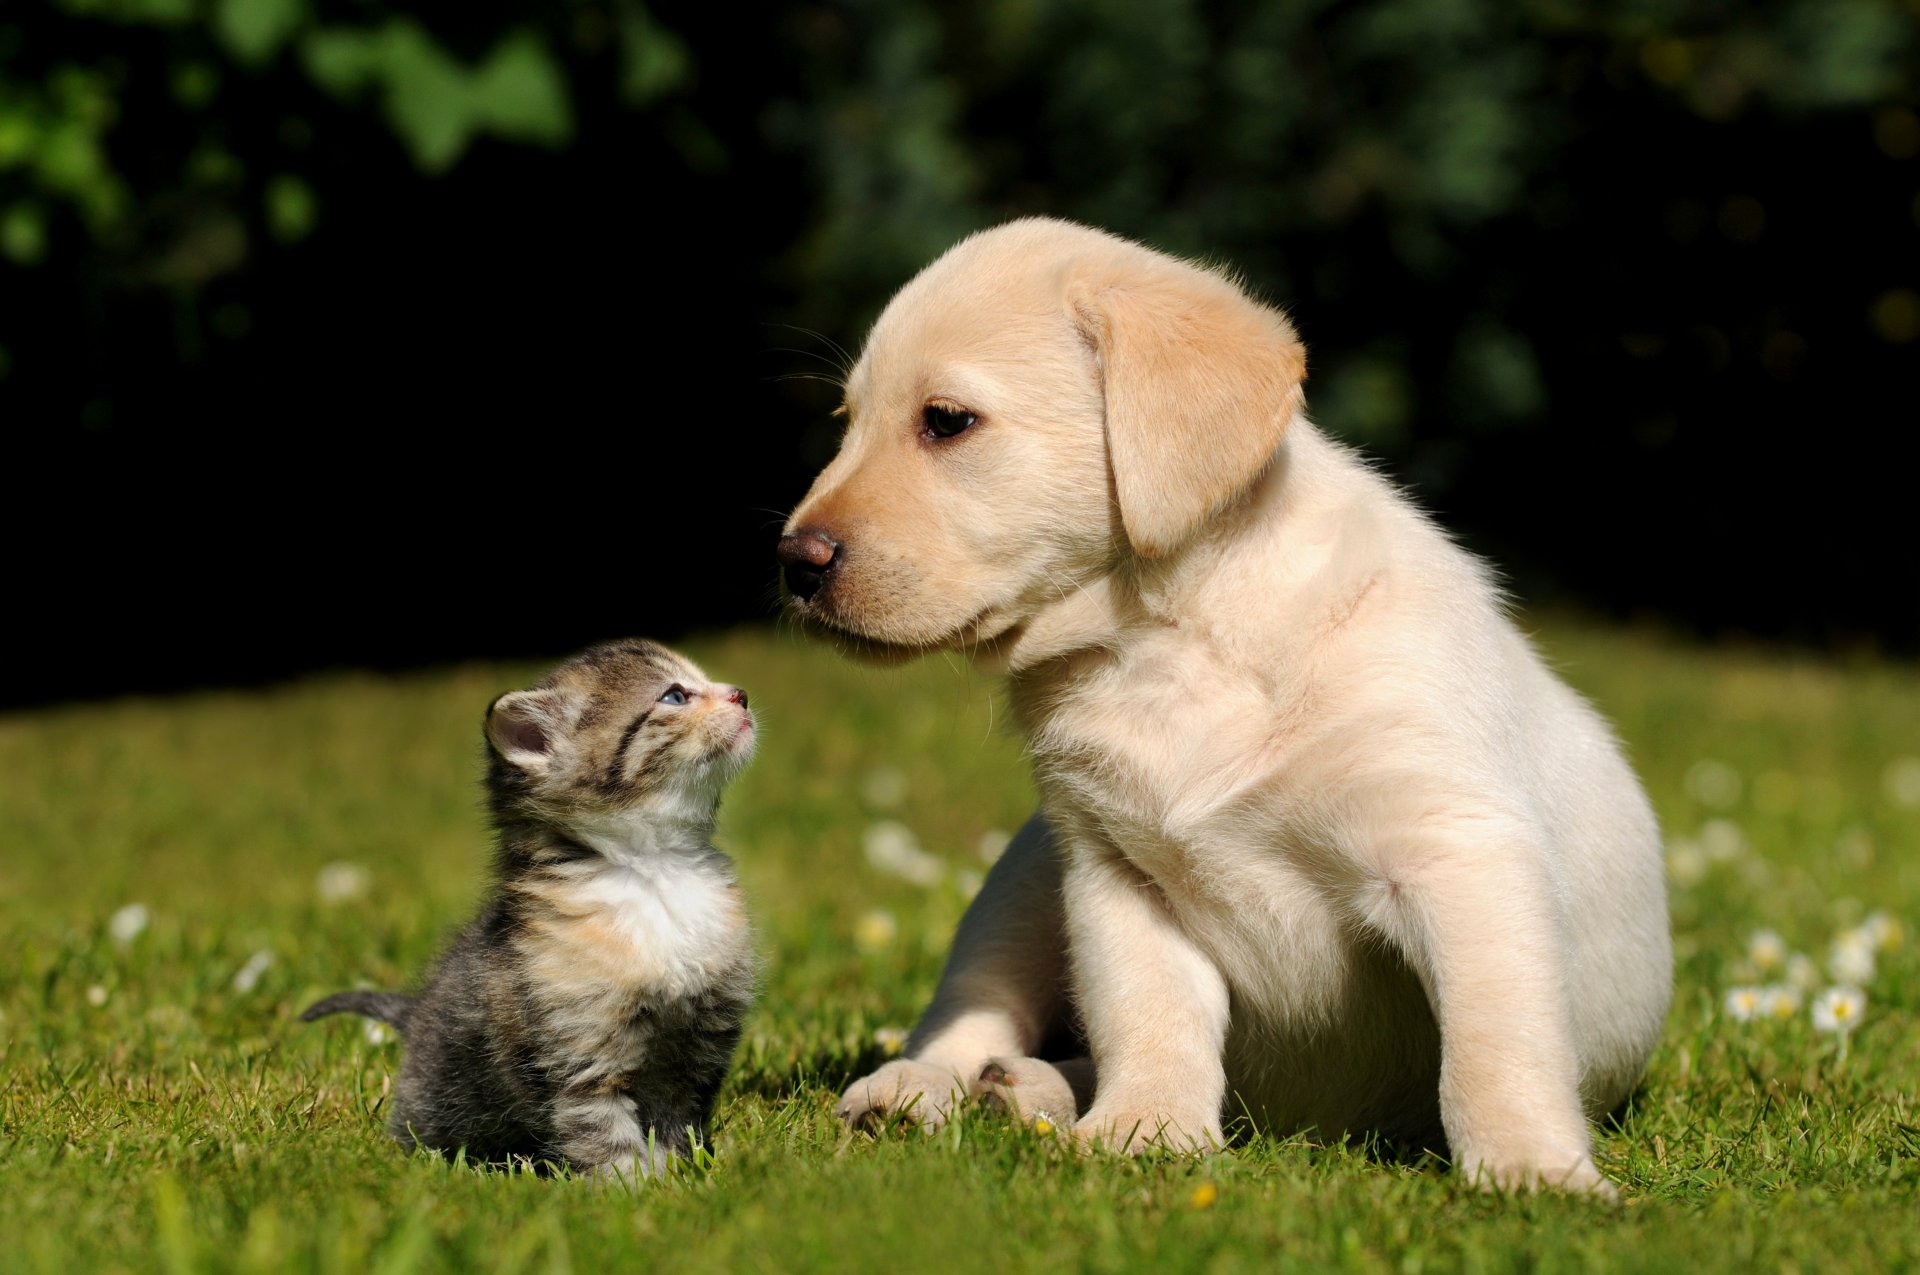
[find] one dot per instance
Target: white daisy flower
(247, 977)
(1779, 1000)
(1686, 861)
(96, 996)
(1850, 959)
(875, 931)
(891, 1039)
(1743, 1004)
(127, 924)
(378, 1033)
(1713, 783)
(1802, 973)
(1767, 950)
(1883, 930)
(1722, 840)
(340, 881)
(891, 847)
(1903, 780)
(1839, 1009)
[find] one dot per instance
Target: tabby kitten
(588, 1015)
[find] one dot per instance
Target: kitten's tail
(391, 1008)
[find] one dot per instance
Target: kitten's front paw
(1130, 1131)
(632, 1168)
(1033, 1091)
(914, 1091)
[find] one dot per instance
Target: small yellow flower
(891, 1039)
(1042, 1123)
(875, 931)
(1203, 1196)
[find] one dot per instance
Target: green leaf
(255, 30)
(520, 94)
(436, 105)
(291, 208)
(427, 98)
(343, 62)
(194, 84)
(19, 134)
(142, 12)
(653, 61)
(23, 234)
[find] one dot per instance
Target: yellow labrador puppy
(1322, 841)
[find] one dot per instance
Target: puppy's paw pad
(902, 1090)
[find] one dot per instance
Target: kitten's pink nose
(737, 696)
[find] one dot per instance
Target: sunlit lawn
(161, 1107)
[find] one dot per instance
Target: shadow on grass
(829, 1071)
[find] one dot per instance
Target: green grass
(155, 1115)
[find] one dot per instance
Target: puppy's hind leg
(1003, 990)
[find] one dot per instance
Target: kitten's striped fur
(588, 1015)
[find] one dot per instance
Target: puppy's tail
(391, 1008)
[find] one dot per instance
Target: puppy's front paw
(904, 1089)
(1132, 1131)
(1538, 1169)
(1033, 1091)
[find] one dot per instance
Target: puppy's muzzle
(807, 559)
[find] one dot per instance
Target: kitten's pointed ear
(523, 725)
(1200, 382)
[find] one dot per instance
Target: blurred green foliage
(70, 151)
(1227, 129)
(1209, 127)
(434, 104)
(1634, 242)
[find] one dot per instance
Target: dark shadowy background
(347, 332)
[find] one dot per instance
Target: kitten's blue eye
(675, 694)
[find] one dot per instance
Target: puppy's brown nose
(806, 559)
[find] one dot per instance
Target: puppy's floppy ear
(1200, 382)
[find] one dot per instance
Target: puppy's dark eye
(675, 694)
(945, 422)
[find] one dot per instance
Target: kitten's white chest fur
(657, 914)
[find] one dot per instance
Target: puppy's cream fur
(1321, 838)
